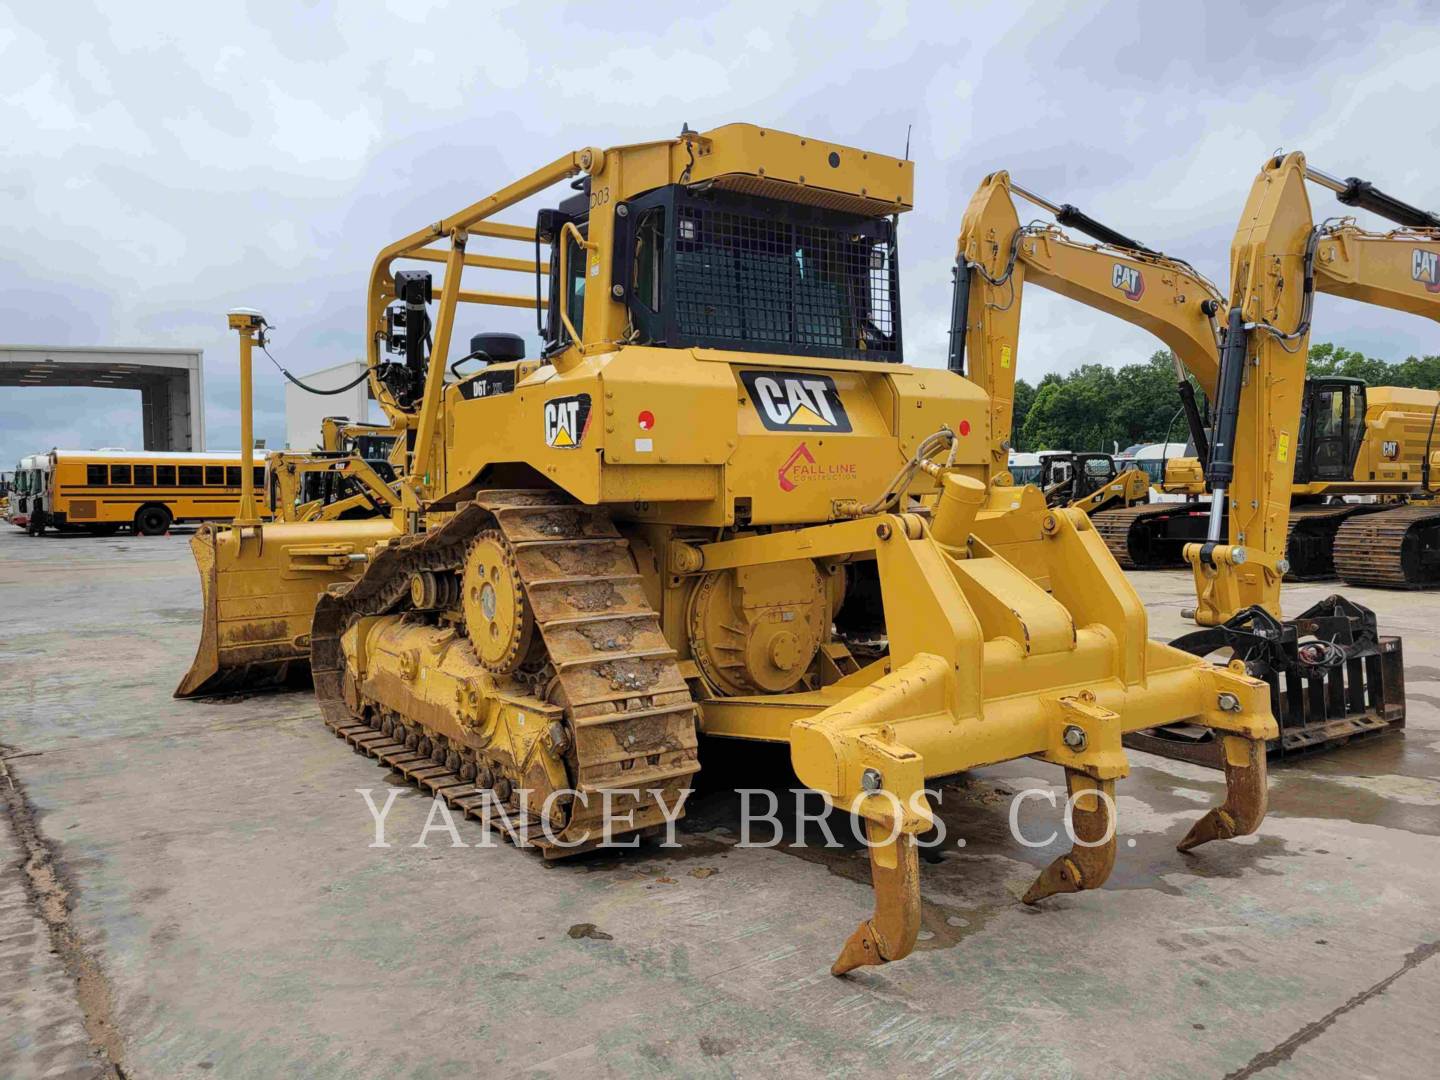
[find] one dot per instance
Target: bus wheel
(152, 521)
(36, 525)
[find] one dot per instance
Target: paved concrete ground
(204, 869)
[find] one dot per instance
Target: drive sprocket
(498, 619)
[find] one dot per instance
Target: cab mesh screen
(783, 286)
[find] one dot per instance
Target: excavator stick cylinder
(1072, 217)
(1365, 195)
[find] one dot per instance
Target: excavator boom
(996, 256)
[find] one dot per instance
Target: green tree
(1095, 406)
(1024, 398)
(1421, 372)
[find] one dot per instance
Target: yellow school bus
(102, 490)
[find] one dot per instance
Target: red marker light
(964, 427)
(646, 419)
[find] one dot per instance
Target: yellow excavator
(1280, 262)
(1352, 440)
(995, 257)
(1341, 677)
(649, 530)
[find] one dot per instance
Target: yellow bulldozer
(657, 529)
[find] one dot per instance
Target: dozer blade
(259, 585)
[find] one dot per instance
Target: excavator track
(627, 713)
(1393, 549)
(1132, 535)
(1310, 538)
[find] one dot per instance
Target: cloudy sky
(164, 162)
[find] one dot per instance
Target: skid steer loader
(649, 532)
(348, 476)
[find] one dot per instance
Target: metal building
(171, 384)
(304, 411)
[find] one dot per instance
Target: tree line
(1095, 407)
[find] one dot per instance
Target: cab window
(575, 287)
(649, 258)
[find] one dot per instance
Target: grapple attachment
(1332, 677)
(259, 585)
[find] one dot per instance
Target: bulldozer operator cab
(1332, 427)
(705, 267)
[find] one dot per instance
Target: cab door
(1333, 428)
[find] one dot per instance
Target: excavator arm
(1278, 260)
(996, 255)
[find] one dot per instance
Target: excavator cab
(1332, 428)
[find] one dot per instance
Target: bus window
(95, 475)
(259, 477)
(119, 474)
(144, 475)
(232, 475)
(215, 475)
(165, 475)
(190, 475)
